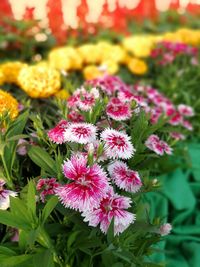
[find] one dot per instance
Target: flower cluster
(166, 53)
(97, 170)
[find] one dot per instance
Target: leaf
(110, 233)
(7, 251)
(13, 261)
(17, 137)
(41, 158)
(18, 125)
(31, 201)
(43, 259)
(50, 205)
(10, 219)
(19, 209)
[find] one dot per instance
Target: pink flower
(177, 136)
(165, 229)
(124, 177)
(187, 125)
(22, 147)
(186, 111)
(113, 206)
(56, 134)
(119, 111)
(117, 144)
(176, 119)
(75, 116)
(88, 187)
(5, 196)
(46, 187)
(81, 133)
(158, 146)
(125, 96)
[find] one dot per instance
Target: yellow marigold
(91, 72)
(89, 53)
(189, 36)
(137, 66)
(8, 104)
(65, 58)
(62, 94)
(11, 70)
(39, 81)
(139, 45)
(2, 78)
(111, 52)
(109, 66)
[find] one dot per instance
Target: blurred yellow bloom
(65, 58)
(2, 78)
(109, 67)
(189, 36)
(90, 53)
(62, 94)
(8, 104)
(111, 52)
(137, 66)
(91, 72)
(139, 45)
(39, 81)
(11, 70)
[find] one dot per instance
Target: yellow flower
(62, 94)
(39, 81)
(91, 72)
(189, 36)
(139, 45)
(109, 66)
(65, 58)
(111, 52)
(137, 66)
(89, 53)
(8, 104)
(11, 70)
(2, 78)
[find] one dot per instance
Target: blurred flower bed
(88, 131)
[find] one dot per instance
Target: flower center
(118, 141)
(81, 131)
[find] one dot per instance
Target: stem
(9, 179)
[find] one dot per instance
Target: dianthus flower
(124, 177)
(185, 110)
(158, 146)
(117, 144)
(118, 111)
(46, 187)
(56, 134)
(88, 187)
(113, 206)
(81, 133)
(5, 196)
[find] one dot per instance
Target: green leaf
(110, 233)
(31, 201)
(41, 158)
(7, 251)
(13, 261)
(17, 126)
(43, 259)
(50, 205)
(10, 219)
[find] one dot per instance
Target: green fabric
(178, 202)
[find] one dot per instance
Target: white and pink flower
(113, 206)
(117, 144)
(56, 134)
(47, 186)
(158, 146)
(81, 133)
(185, 110)
(177, 136)
(118, 111)
(5, 196)
(88, 187)
(165, 229)
(124, 177)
